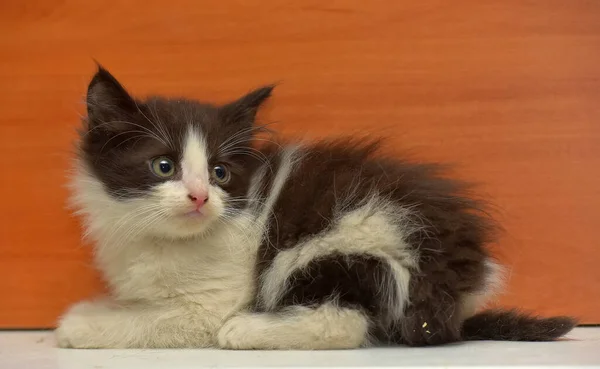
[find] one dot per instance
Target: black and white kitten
(208, 241)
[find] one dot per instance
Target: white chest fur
(214, 272)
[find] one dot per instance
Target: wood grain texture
(508, 90)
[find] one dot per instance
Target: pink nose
(198, 199)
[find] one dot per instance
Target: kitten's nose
(198, 199)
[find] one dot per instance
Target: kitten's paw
(236, 334)
(79, 328)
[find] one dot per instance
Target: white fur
(180, 290)
(195, 163)
(299, 328)
(160, 324)
(376, 228)
(289, 157)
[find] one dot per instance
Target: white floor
(36, 350)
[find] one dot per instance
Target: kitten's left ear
(243, 110)
(108, 103)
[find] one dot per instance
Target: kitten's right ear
(108, 103)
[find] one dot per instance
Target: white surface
(35, 350)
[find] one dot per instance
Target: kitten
(206, 240)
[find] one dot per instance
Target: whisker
(168, 144)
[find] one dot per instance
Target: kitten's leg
(333, 302)
(433, 317)
(105, 324)
(325, 327)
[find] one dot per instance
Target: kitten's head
(171, 167)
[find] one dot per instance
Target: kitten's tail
(511, 325)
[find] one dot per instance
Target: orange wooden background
(508, 89)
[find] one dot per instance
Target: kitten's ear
(108, 103)
(243, 110)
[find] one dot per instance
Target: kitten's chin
(187, 225)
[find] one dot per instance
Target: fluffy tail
(511, 325)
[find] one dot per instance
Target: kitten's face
(170, 168)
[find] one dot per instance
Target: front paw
(234, 334)
(81, 328)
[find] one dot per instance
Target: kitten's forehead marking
(194, 163)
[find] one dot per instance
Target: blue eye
(220, 174)
(163, 167)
